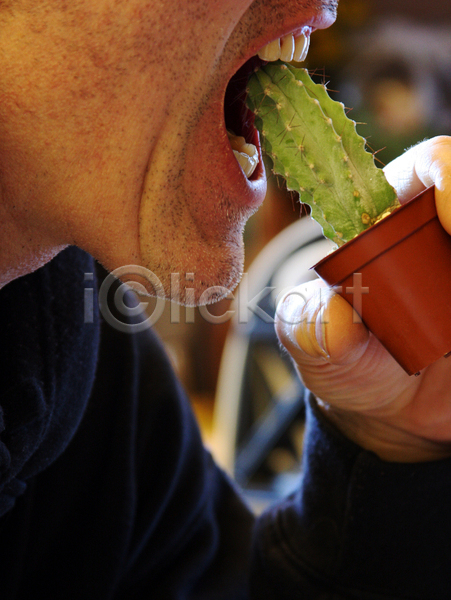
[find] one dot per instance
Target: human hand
(359, 386)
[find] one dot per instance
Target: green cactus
(316, 148)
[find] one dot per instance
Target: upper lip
(319, 21)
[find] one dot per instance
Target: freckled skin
(112, 135)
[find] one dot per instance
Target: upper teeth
(287, 48)
(246, 154)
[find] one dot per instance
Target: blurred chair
(259, 408)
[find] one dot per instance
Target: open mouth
(243, 136)
(239, 120)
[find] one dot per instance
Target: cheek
(85, 93)
(92, 70)
(72, 96)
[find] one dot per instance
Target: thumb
(317, 325)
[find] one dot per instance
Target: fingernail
(309, 333)
(290, 315)
(320, 330)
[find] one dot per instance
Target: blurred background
(390, 62)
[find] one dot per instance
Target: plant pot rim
(378, 238)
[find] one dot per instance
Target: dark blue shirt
(107, 492)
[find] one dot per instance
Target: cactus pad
(316, 148)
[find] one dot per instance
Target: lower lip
(214, 172)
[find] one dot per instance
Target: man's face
(112, 127)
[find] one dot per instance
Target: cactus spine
(316, 148)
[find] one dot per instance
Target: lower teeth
(246, 154)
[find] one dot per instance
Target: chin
(191, 274)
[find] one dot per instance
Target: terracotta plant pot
(397, 275)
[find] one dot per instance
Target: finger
(315, 324)
(426, 164)
(433, 167)
(402, 175)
